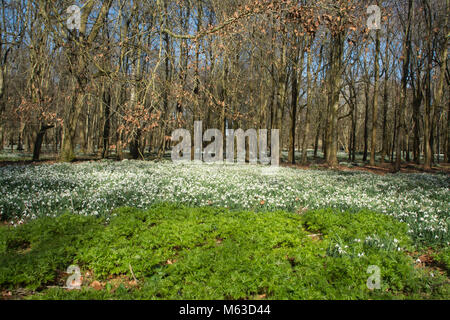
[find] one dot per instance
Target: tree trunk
(291, 156)
(417, 102)
(79, 70)
(294, 100)
(2, 108)
(384, 151)
(366, 122)
(447, 153)
(308, 105)
(2, 136)
(354, 122)
(106, 122)
(316, 140)
(70, 128)
(405, 73)
(335, 87)
(375, 102)
(437, 103)
(39, 140)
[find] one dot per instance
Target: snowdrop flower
(419, 200)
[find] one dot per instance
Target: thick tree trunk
(39, 139)
(437, 103)
(70, 129)
(136, 149)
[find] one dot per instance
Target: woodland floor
(152, 230)
(313, 163)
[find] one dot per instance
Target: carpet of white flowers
(96, 188)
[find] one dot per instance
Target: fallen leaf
(133, 283)
(96, 285)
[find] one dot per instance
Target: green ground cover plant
(176, 252)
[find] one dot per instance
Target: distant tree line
(134, 71)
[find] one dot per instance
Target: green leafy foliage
(211, 253)
(35, 253)
(443, 258)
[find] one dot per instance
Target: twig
(132, 273)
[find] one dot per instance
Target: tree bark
(308, 105)
(335, 87)
(375, 101)
(106, 121)
(79, 70)
(39, 139)
(402, 106)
